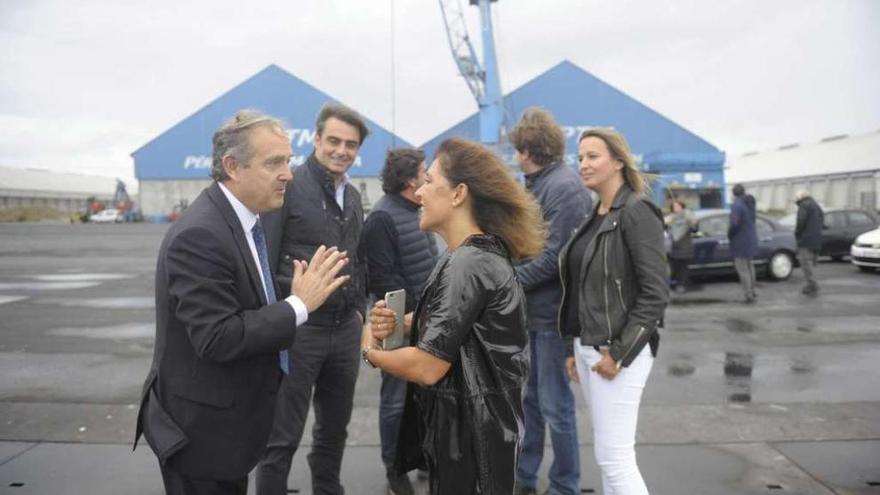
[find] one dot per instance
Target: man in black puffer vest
(320, 207)
(398, 255)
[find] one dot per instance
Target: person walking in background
(540, 145)
(743, 238)
(808, 232)
(468, 359)
(209, 397)
(680, 223)
(615, 293)
(398, 255)
(320, 207)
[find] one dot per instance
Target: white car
(110, 215)
(865, 252)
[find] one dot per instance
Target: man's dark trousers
(325, 360)
(393, 393)
(548, 399)
(178, 484)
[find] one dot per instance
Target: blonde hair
(639, 181)
(500, 205)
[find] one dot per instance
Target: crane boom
(481, 78)
(463, 52)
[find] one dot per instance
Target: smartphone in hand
(396, 301)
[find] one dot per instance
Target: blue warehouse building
(175, 166)
(688, 166)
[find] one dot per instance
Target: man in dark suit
(208, 400)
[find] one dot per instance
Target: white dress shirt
(248, 219)
(340, 192)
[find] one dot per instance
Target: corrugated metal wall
(854, 189)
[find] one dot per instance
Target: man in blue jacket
(743, 241)
(540, 146)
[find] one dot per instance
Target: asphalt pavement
(778, 397)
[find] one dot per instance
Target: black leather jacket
(623, 279)
(467, 428)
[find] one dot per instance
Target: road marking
(79, 277)
(9, 299)
(47, 285)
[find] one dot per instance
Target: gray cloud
(87, 82)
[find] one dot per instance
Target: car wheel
(836, 257)
(780, 266)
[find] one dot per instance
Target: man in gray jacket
(808, 232)
(540, 145)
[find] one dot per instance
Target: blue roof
(184, 151)
(580, 100)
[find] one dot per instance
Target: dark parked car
(842, 226)
(777, 247)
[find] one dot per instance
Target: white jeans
(614, 407)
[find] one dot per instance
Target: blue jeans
(393, 395)
(549, 399)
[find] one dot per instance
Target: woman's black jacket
(466, 428)
(623, 279)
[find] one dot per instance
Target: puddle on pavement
(103, 302)
(9, 299)
(802, 366)
(696, 301)
(38, 286)
(805, 327)
(79, 277)
(738, 364)
(737, 325)
(738, 372)
(681, 368)
(126, 331)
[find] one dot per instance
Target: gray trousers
(807, 258)
(324, 364)
(746, 271)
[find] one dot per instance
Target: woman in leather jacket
(613, 273)
(469, 357)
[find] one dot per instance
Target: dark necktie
(263, 254)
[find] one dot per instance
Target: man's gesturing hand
(313, 282)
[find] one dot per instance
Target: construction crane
(481, 78)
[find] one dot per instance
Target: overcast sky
(84, 83)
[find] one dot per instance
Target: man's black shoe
(399, 485)
(810, 289)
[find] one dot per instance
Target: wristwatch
(365, 352)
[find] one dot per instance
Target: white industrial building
(64, 192)
(839, 171)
